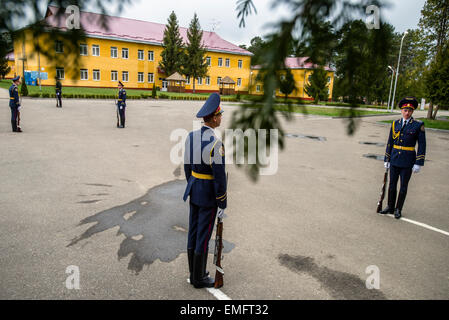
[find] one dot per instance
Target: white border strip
(217, 293)
(421, 225)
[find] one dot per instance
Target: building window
(83, 49)
(258, 88)
(218, 80)
(207, 80)
(208, 61)
(84, 74)
(240, 64)
(114, 52)
(59, 46)
(329, 79)
(239, 82)
(200, 80)
(125, 76)
(60, 73)
(150, 55)
(140, 56)
(96, 75)
(114, 75)
(140, 77)
(151, 78)
(95, 50)
(187, 79)
(124, 53)
(228, 63)
(220, 62)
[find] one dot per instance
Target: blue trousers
(201, 225)
(405, 175)
(122, 115)
(14, 113)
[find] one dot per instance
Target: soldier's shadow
(155, 226)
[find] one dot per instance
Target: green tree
(287, 83)
(4, 68)
(173, 52)
(437, 81)
(153, 91)
(318, 85)
(195, 64)
(23, 88)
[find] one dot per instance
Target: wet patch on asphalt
(89, 201)
(291, 135)
(340, 285)
(374, 156)
(98, 185)
(379, 144)
(154, 225)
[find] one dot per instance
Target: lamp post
(391, 86)
(397, 71)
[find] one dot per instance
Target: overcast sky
(403, 15)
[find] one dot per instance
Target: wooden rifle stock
(382, 194)
(218, 254)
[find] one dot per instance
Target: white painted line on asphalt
(217, 293)
(422, 225)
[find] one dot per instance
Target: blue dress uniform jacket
(14, 101)
(204, 167)
(121, 102)
(400, 151)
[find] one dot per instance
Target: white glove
(387, 165)
(220, 213)
(121, 107)
(416, 168)
(19, 108)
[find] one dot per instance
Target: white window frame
(200, 81)
(140, 54)
(239, 82)
(96, 71)
(240, 64)
(58, 73)
(127, 53)
(150, 77)
(114, 74)
(209, 61)
(220, 62)
(94, 47)
(207, 81)
(140, 75)
(219, 80)
(228, 62)
(150, 55)
(115, 51)
(85, 72)
(123, 76)
(187, 79)
(85, 50)
(59, 45)
(258, 88)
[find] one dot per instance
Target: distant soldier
(400, 155)
(14, 104)
(121, 106)
(58, 93)
(204, 167)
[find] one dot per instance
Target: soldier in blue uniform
(401, 157)
(14, 104)
(121, 106)
(204, 167)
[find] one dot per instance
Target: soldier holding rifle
(204, 166)
(14, 104)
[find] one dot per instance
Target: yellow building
(12, 65)
(128, 51)
(301, 71)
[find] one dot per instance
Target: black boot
(399, 205)
(190, 253)
(200, 280)
(391, 201)
(14, 125)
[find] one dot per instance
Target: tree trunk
(193, 85)
(434, 115)
(429, 112)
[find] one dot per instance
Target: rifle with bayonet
(382, 193)
(218, 254)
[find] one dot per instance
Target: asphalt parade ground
(78, 193)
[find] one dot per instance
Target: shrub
(24, 89)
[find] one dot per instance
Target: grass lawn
(435, 124)
(329, 112)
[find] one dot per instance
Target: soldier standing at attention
(204, 167)
(400, 155)
(58, 93)
(121, 105)
(14, 104)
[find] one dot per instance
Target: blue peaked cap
(16, 78)
(210, 106)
